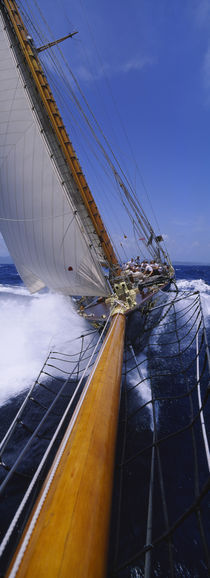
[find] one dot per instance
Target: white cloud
(206, 68)
(195, 225)
(132, 65)
(202, 12)
(84, 74)
(165, 236)
(185, 224)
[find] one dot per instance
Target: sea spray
(30, 327)
(204, 290)
(143, 391)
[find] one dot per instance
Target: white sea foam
(144, 388)
(30, 327)
(203, 288)
(193, 285)
(17, 290)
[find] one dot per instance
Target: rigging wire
(120, 118)
(58, 90)
(151, 532)
(7, 437)
(91, 128)
(100, 92)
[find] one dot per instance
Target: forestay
(41, 224)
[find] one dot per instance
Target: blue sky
(144, 66)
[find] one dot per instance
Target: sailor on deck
(148, 270)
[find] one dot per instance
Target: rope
(166, 461)
(56, 463)
(205, 439)
(16, 422)
(167, 373)
(82, 106)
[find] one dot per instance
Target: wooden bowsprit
(67, 533)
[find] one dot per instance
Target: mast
(59, 129)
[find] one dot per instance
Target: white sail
(46, 236)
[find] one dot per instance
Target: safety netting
(32, 426)
(160, 522)
(160, 504)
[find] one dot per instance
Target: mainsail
(43, 218)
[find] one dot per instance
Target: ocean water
(180, 462)
(32, 325)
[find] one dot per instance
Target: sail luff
(43, 219)
(59, 129)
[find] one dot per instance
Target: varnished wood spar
(70, 535)
(57, 124)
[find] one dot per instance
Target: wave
(31, 326)
(142, 391)
(17, 290)
(193, 285)
(204, 290)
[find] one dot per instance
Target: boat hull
(98, 311)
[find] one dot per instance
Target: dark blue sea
(31, 325)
